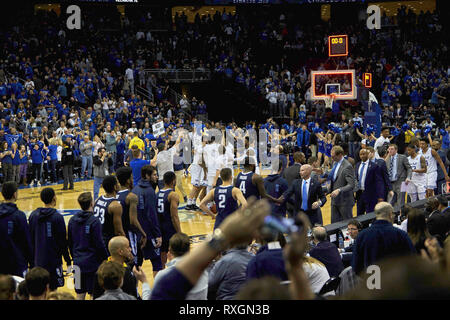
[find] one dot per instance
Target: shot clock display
(338, 46)
(367, 80)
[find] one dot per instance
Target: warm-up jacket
(146, 209)
(15, 244)
(275, 186)
(85, 241)
(48, 238)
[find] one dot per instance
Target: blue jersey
(52, 152)
(23, 160)
(164, 215)
(225, 203)
(136, 166)
(321, 146)
(328, 147)
(106, 219)
(16, 159)
(7, 158)
(245, 184)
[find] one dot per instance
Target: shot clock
(338, 46)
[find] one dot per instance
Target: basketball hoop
(329, 101)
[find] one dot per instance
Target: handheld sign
(158, 128)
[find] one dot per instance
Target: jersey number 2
(222, 200)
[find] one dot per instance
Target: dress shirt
(362, 175)
(308, 181)
(394, 168)
(337, 169)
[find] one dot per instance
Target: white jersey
(229, 156)
(415, 164)
(430, 160)
(198, 150)
(225, 161)
(211, 155)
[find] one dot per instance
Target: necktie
(391, 169)
(361, 171)
(333, 171)
(305, 196)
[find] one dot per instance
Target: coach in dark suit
(383, 172)
(308, 195)
(369, 184)
(291, 174)
(342, 178)
(399, 170)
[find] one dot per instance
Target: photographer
(102, 161)
(67, 160)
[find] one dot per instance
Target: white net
(329, 101)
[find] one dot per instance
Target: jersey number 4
(242, 187)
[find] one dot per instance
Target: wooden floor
(194, 224)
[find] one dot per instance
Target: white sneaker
(38, 184)
(31, 184)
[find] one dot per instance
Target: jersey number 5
(160, 205)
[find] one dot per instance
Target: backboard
(341, 83)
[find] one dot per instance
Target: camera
(274, 225)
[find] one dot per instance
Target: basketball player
(108, 210)
(226, 198)
(251, 183)
(198, 173)
(416, 187)
(431, 158)
(168, 201)
(249, 152)
(129, 200)
(225, 159)
(147, 215)
(48, 239)
(211, 155)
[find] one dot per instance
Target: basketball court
(196, 225)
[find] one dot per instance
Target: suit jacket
(438, 223)
(373, 185)
(403, 167)
(381, 240)
(383, 172)
(291, 173)
(345, 180)
(315, 193)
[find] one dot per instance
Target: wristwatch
(218, 241)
